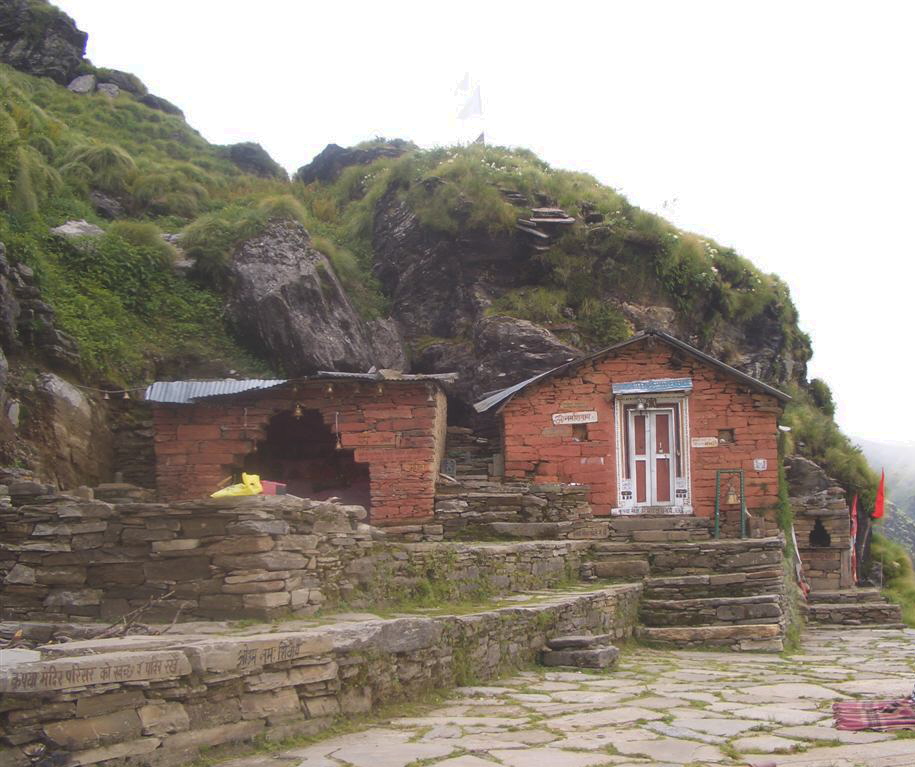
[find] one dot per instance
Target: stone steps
(848, 614)
(846, 595)
(737, 584)
(766, 637)
(757, 556)
(703, 611)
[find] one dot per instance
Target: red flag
(853, 535)
(878, 503)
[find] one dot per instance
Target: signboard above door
(653, 386)
(581, 416)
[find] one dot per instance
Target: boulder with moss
(251, 157)
(37, 38)
(330, 161)
(288, 305)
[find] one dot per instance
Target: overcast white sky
(783, 129)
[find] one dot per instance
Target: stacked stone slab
(483, 509)
(719, 592)
(852, 608)
(822, 527)
(580, 651)
(66, 557)
(158, 700)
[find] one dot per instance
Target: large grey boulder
(78, 443)
(37, 38)
(330, 161)
(82, 84)
(161, 104)
(109, 89)
(288, 304)
(502, 352)
(80, 228)
(251, 157)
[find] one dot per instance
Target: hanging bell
(732, 495)
(297, 411)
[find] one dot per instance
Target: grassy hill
(136, 317)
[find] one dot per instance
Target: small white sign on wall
(704, 441)
(582, 416)
(760, 464)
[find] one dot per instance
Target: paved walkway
(658, 708)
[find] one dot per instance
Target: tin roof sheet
(186, 392)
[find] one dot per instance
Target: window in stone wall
(819, 536)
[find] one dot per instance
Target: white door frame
(680, 485)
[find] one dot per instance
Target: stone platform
(159, 699)
(659, 708)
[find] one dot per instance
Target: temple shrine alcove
(301, 451)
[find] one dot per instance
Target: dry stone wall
(64, 558)
(159, 700)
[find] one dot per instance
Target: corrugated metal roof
(506, 394)
(184, 392)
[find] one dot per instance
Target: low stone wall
(65, 557)
(391, 573)
(159, 700)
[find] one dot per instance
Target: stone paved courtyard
(657, 708)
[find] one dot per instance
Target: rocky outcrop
(502, 351)
(253, 158)
(161, 104)
(288, 305)
(125, 81)
(328, 164)
(37, 38)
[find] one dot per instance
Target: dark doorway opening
(301, 451)
(819, 536)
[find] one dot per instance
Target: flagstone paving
(657, 709)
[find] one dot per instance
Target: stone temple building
(647, 425)
(374, 439)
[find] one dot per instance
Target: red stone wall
(535, 448)
(390, 426)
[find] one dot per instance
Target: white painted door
(651, 446)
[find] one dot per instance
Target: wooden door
(651, 456)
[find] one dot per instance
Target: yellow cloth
(250, 485)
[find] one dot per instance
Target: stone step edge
(848, 607)
(870, 626)
(673, 604)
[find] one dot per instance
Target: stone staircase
(716, 592)
(864, 608)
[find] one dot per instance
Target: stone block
(124, 750)
(171, 570)
(268, 560)
(576, 642)
(601, 657)
(61, 576)
(95, 705)
(214, 736)
(266, 601)
(253, 587)
(248, 544)
(621, 568)
(256, 705)
(124, 574)
(77, 734)
(178, 544)
(323, 706)
(259, 526)
(163, 718)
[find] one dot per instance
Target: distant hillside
(898, 459)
